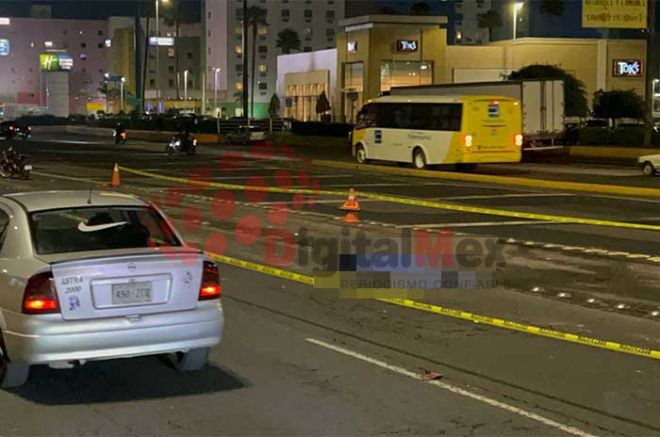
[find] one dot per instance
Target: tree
(489, 20)
(273, 110)
(618, 104)
(575, 96)
(287, 40)
(322, 104)
(553, 7)
(256, 16)
(420, 8)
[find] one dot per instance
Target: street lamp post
(517, 6)
(215, 89)
(121, 92)
(185, 85)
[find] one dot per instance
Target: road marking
(476, 224)
(454, 389)
(493, 179)
(498, 196)
(404, 201)
(454, 313)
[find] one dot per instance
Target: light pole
(121, 92)
(185, 85)
(158, 53)
(215, 90)
(517, 6)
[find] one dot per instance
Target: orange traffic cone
(352, 207)
(115, 181)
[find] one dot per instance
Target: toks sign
(627, 68)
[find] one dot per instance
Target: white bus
(428, 130)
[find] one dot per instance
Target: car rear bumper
(50, 340)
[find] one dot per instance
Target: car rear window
(99, 228)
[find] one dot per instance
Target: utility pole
(650, 71)
(245, 62)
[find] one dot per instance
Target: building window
(190, 84)
(263, 32)
(189, 55)
(100, 45)
(238, 30)
(238, 86)
(48, 44)
(263, 86)
(83, 45)
(405, 73)
(238, 49)
(84, 70)
(32, 44)
(263, 68)
(100, 33)
(171, 83)
(83, 57)
(208, 50)
(307, 49)
(308, 15)
(239, 13)
(263, 49)
(65, 45)
(330, 16)
(152, 83)
(239, 68)
(170, 69)
(209, 15)
(330, 33)
(100, 71)
(285, 14)
(208, 33)
(308, 33)
(170, 52)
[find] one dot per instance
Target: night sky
(90, 9)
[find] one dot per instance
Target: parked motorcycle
(14, 165)
(181, 144)
(120, 136)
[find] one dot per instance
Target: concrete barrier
(144, 135)
(611, 153)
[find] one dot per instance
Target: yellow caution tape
(406, 201)
(494, 179)
(455, 313)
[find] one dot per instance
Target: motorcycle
(14, 165)
(179, 146)
(120, 136)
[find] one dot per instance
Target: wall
(321, 60)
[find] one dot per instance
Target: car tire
(194, 359)
(361, 155)
(419, 159)
(12, 375)
(648, 169)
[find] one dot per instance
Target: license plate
(132, 292)
(28, 167)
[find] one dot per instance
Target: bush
(317, 128)
(627, 137)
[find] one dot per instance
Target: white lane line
(498, 196)
(456, 390)
(478, 224)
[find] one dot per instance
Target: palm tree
(489, 20)
(553, 7)
(256, 16)
(420, 8)
(287, 40)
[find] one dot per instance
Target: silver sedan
(93, 276)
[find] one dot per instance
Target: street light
(121, 91)
(158, 52)
(185, 84)
(517, 6)
(215, 90)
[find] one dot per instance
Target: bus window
(394, 115)
(366, 117)
(436, 116)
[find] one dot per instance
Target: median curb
(501, 180)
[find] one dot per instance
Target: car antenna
(89, 196)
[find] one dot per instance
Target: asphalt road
(299, 361)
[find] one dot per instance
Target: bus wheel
(419, 159)
(361, 155)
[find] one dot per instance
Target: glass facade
(405, 73)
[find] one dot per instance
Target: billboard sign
(620, 14)
(4, 47)
(55, 62)
(627, 68)
(406, 45)
(166, 41)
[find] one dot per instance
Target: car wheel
(361, 155)
(194, 359)
(648, 169)
(419, 159)
(12, 374)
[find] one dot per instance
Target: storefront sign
(406, 45)
(166, 41)
(4, 47)
(352, 46)
(628, 68)
(623, 14)
(55, 62)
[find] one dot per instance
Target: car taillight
(11, 127)
(195, 142)
(467, 140)
(210, 288)
(29, 128)
(40, 296)
(123, 134)
(518, 140)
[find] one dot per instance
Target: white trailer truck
(542, 105)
